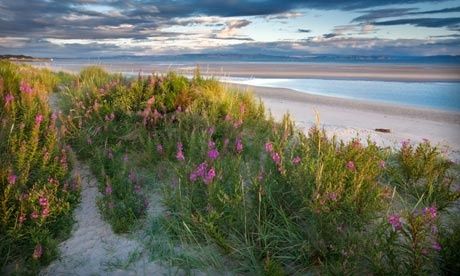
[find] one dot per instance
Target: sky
(90, 28)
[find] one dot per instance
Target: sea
(431, 95)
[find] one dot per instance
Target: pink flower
(38, 252)
(332, 196)
(382, 164)
(436, 246)
(213, 154)
(22, 218)
(8, 98)
(160, 149)
(351, 166)
(108, 189)
(296, 160)
(395, 221)
(180, 153)
(211, 145)
(238, 123)
(45, 212)
(150, 101)
(209, 177)
(211, 130)
(12, 179)
(228, 117)
(38, 119)
(25, 87)
(430, 212)
(276, 158)
(405, 143)
(269, 147)
(43, 201)
(239, 145)
(34, 215)
(200, 171)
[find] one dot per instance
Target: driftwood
(384, 130)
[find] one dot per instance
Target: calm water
(437, 95)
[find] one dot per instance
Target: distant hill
(23, 58)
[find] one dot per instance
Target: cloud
(232, 26)
(284, 15)
(329, 35)
(304, 31)
(372, 15)
(453, 22)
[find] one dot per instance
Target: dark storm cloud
(423, 22)
(372, 15)
(41, 18)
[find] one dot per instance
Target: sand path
(93, 248)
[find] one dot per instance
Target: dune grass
(36, 193)
(272, 199)
(245, 194)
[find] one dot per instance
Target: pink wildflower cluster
(38, 252)
(110, 117)
(24, 87)
(213, 153)
(430, 212)
(38, 119)
(8, 98)
(395, 221)
(239, 145)
(351, 166)
(160, 149)
(43, 202)
(180, 152)
(201, 171)
(296, 160)
(12, 179)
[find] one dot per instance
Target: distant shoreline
(382, 72)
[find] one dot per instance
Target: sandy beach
(348, 119)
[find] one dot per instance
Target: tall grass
(271, 198)
(36, 193)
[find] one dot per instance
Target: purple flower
(12, 179)
(211, 145)
(211, 130)
(38, 252)
(430, 212)
(332, 196)
(209, 177)
(239, 145)
(395, 221)
(43, 201)
(108, 189)
(296, 160)
(276, 158)
(269, 147)
(193, 176)
(160, 149)
(213, 154)
(25, 87)
(180, 153)
(405, 143)
(34, 215)
(351, 166)
(8, 98)
(45, 212)
(436, 246)
(21, 218)
(38, 119)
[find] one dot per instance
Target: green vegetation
(244, 193)
(36, 194)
